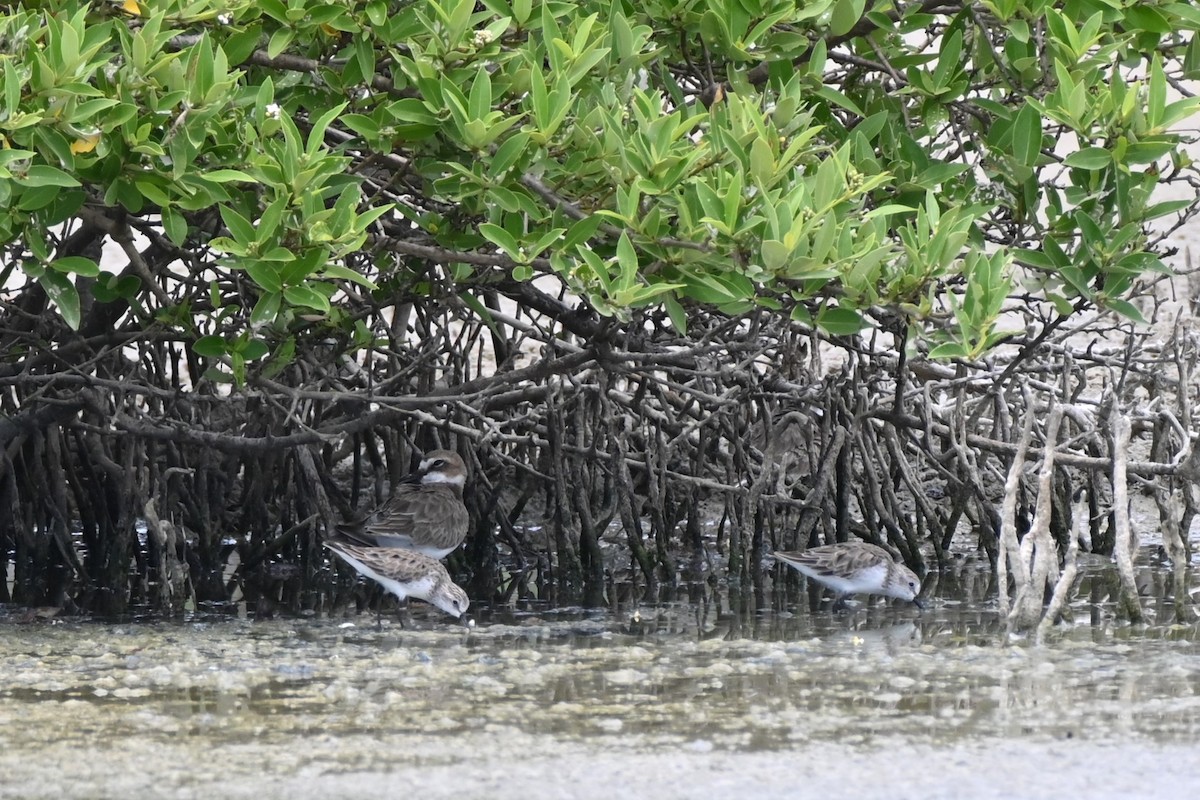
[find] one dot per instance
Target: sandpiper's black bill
(919, 603)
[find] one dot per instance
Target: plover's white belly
(863, 581)
(420, 587)
(415, 587)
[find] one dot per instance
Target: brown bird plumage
(855, 568)
(405, 574)
(425, 514)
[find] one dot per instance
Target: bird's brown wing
(414, 515)
(833, 560)
(398, 565)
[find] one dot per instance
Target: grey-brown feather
(399, 565)
(405, 574)
(415, 514)
(848, 568)
(840, 559)
(424, 514)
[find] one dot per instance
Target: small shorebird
(425, 513)
(405, 574)
(855, 568)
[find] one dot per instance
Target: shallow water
(673, 701)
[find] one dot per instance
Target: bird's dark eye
(437, 464)
(456, 604)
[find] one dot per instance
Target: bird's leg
(404, 614)
(380, 602)
(839, 602)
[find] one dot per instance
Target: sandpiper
(855, 568)
(405, 574)
(425, 513)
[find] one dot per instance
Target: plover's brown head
(443, 466)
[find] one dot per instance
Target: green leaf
(888, 210)
(209, 346)
(775, 254)
(677, 315)
(46, 175)
(38, 197)
(280, 39)
(841, 321)
(217, 375)
(846, 14)
(1035, 258)
(228, 176)
(241, 44)
(1027, 136)
(832, 95)
(254, 349)
(483, 312)
(545, 240)
(627, 259)
(175, 225)
(1166, 207)
(507, 154)
(1156, 97)
(1148, 152)
(1125, 309)
(78, 265)
(264, 273)
(109, 287)
(1089, 158)
(266, 309)
(239, 227)
(949, 350)
(316, 136)
(1191, 59)
(64, 295)
(1142, 16)
(480, 102)
(581, 231)
(377, 13)
(501, 238)
(361, 124)
(12, 86)
(308, 297)
(641, 295)
(412, 110)
(337, 272)
(284, 355)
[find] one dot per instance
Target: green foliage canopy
(836, 160)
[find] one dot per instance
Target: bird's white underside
(870, 580)
(419, 586)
